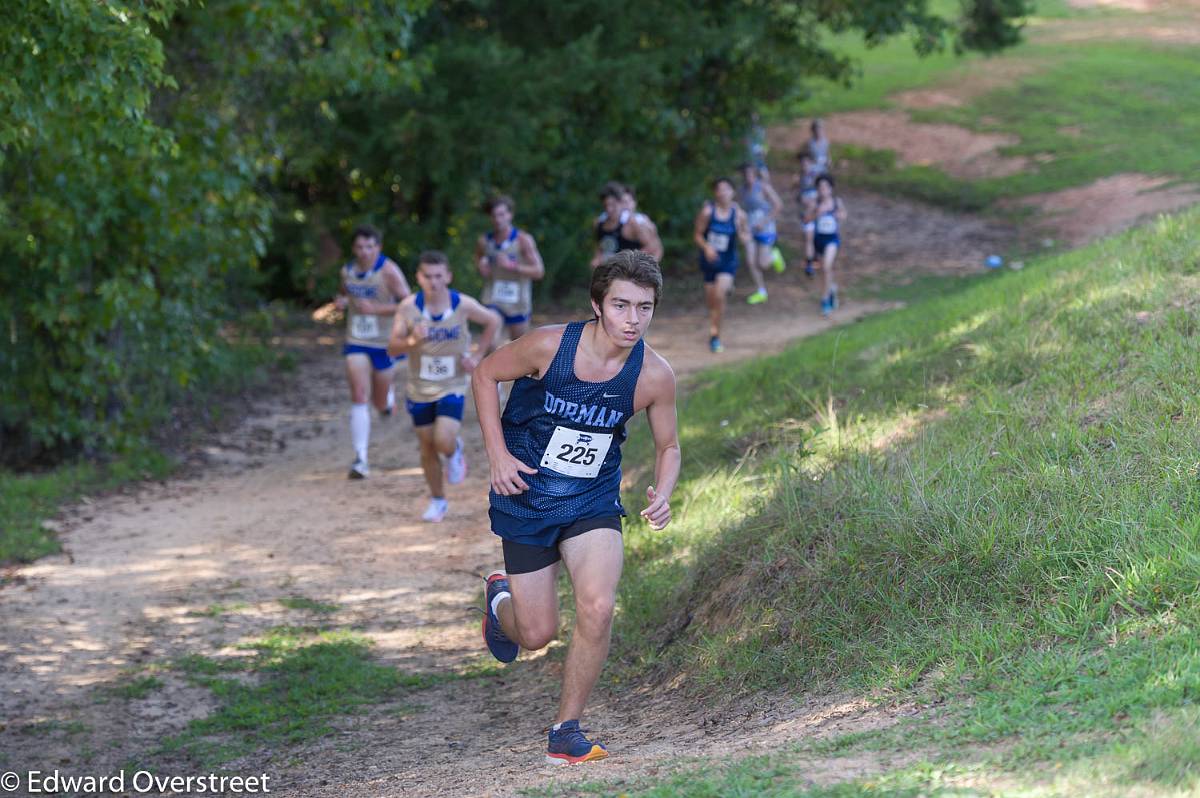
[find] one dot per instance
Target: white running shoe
(436, 510)
(358, 469)
(456, 464)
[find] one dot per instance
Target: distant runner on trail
(827, 217)
(509, 262)
(808, 203)
(556, 476)
(720, 224)
(818, 147)
(617, 228)
(432, 327)
(756, 144)
(372, 287)
(761, 203)
(652, 243)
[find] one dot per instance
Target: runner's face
(434, 278)
(723, 192)
(502, 217)
(825, 190)
(626, 313)
(612, 206)
(750, 176)
(628, 202)
(366, 250)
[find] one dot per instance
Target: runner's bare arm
(841, 210)
(598, 255)
(698, 231)
(489, 320)
(530, 263)
(528, 356)
(661, 415)
(482, 262)
(404, 338)
(773, 198)
(394, 278)
(743, 226)
(648, 236)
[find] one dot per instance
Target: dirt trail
(268, 514)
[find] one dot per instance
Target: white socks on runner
(360, 429)
(496, 599)
(391, 402)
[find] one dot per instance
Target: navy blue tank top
(612, 241)
(721, 235)
(571, 431)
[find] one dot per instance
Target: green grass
(300, 679)
(990, 496)
(28, 500)
(308, 605)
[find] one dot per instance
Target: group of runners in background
(554, 448)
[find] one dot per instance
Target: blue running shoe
(826, 306)
(498, 643)
(833, 300)
(714, 344)
(568, 746)
(808, 268)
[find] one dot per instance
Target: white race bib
(364, 326)
(507, 291)
(758, 218)
(436, 368)
(576, 454)
(826, 224)
(718, 241)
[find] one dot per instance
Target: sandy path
(270, 515)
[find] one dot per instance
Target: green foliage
(163, 163)
(119, 234)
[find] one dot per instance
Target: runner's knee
(594, 612)
(537, 633)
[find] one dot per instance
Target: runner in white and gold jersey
(509, 262)
(372, 287)
(431, 326)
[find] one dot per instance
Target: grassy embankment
(1085, 106)
(988, 499)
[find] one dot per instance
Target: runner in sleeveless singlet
(556, 476)
(827, 217)
(719, 225)
(653, 244)
(818, 147)
(431, 327)
(372, 287)
(808, 203)
(509, 263)
(761, 203)
(617, 229)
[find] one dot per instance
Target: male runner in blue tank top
(617, 229)
(509, 262)
(556, 476)
(720, 224)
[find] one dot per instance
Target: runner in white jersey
(509, 262)
(652, 244)
(431, 327)
(371, 290)
(761, 203)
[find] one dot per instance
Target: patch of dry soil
(957, 151)
(1107, 206)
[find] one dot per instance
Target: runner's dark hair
(721, 180)
(499, 199)
(367, 231)
(434, 257)
(828, 178)
(634, 265)
(612, 189)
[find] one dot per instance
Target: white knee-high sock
(360, 429)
